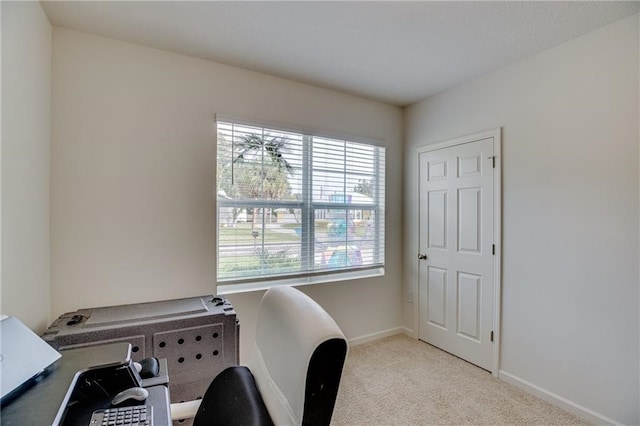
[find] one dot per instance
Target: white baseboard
(409, 332)
(565, 404)
(552, 398)
(379, 335)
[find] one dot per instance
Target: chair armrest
(184, 410)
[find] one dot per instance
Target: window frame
(307, 206)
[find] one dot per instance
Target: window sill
(223, 289)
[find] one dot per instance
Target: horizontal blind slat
(263, 201)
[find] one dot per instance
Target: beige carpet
(402, 381)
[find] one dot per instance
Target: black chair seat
(233, 399)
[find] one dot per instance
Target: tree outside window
(291, 203)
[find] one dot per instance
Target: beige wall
(570, 311)
(132, 204)
(26, 119)
(133, 176)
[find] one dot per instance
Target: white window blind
(296, 204)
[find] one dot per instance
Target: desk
(39, 403)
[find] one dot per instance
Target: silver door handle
(422, 256)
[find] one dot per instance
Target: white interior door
(456, 260)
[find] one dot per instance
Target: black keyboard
(135, 415)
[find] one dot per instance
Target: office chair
(292, 375)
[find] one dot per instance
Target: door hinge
(492, 336)
(493, 161)
(493, 249)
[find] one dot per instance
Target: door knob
(422, 256)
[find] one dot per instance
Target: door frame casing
(496, 134)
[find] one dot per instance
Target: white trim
(639, 235)
(355, 341)
(238, 281)
(497, 259)
(298, 281)
(557, 400)
(496, 134)
(300, 129)
(491, 133)
(409, 332)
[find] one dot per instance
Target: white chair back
(290, 327)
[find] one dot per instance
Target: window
(296, 204)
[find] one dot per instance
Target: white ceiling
(392, 51)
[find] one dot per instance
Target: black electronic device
(48, 401)
(149, 367)
(135, 415)
(113, 372)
